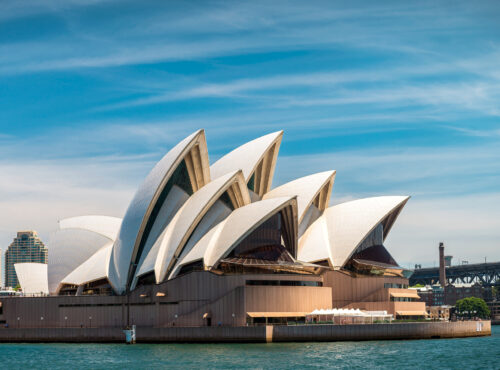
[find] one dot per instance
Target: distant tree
(17, 288)
(472, 307)
(418, 286)
(494, 292)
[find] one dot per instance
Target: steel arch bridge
(486, 274)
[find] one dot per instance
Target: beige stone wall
(287, 299)
(347, 288)
(367, 292)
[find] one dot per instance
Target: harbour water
(466, 353)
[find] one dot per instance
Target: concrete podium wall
(301, 333)
(417, 330)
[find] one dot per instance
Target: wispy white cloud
(480, 97)
(476, 89)
(490, 133)
(224, 29)
(410, 170)
(28, 8)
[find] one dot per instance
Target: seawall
(302, 333)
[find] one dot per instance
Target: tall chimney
(442, 271)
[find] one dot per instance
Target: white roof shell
(103, 225)
(336, 235)
(169, 246)
(224, 237)
(95, 268)
(193, 150)
(315, 188)
(257, 156)
(173, 202)
(68, 249)
(32, 277)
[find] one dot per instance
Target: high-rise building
(26, 247)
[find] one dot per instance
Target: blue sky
(398, 97)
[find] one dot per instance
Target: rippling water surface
(467, 353)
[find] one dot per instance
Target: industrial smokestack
(442, 270)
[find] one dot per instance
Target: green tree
(472, 307)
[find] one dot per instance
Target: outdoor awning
(277, 314)
(411, 313)
(405, 295)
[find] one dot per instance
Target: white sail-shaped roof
(142, 211)
(68, 249)
(256, 158)
(32, 277)
(224, 237)
(313, 189)
(103, 225)
(173, 202)
(95, 268)
(336, 235)
(169, 246)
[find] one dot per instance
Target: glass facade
(264, 242)
(251, 183)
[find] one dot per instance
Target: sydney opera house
(205, 245)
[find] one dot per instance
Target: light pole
(18, 320)
(90, 320)
(66, 321)
(175, 318)
(233, 315)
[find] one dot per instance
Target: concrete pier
(301, 333)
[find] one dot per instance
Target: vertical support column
(269, 333)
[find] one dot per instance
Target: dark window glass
(284, 283)
(251, 183)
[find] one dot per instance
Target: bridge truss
(486, 274)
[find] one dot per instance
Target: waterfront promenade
(299, 333)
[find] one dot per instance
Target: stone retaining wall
(299, 333)
(425, 330)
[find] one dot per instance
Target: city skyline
(399, 99)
